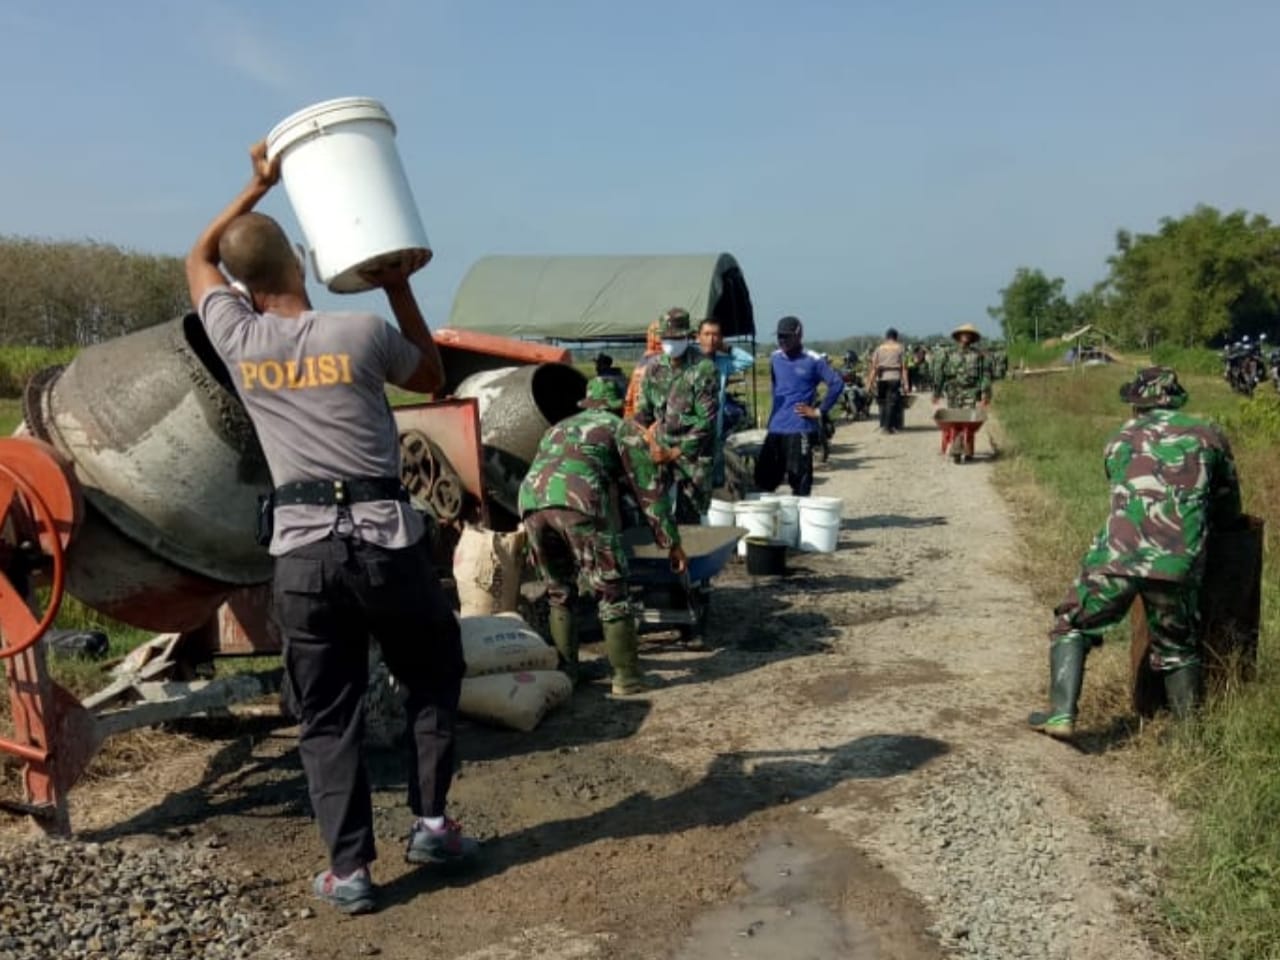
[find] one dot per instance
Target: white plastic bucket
(820, 523)
(788, 517)
(348, 190)
(720, 513)
(759, 517)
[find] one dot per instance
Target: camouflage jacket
(963, 376)
(583, 457)
(1172, 478)
(686, 402)
(999, 362)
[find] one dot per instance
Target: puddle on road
(804, 905)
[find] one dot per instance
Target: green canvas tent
(578, 299)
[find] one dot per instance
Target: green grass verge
(1222, 884)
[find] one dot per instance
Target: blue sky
(868, 163)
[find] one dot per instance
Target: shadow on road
(897, 520)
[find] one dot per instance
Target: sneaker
(446, 846)
(350, 894)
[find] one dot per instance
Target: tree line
(1201, 279)
(63, 294)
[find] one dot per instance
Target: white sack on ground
(503, 644)
(516, 700)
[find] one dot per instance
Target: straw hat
(968, 328)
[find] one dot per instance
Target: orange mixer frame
(53, 734)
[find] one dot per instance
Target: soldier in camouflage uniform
(679, 401)
(566, 502)
(1172, 481)
(963, 376)
(999, 361)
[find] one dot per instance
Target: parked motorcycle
(1243, 365)
(855, 401)
(825, 435)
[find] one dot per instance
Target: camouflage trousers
(568, 546)
(692, 479)
(1100, 600)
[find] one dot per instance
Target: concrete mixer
(134, 490)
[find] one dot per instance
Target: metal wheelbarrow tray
(671, 599)
(958, 426)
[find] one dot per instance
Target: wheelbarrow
(958, 426)
(680, 600)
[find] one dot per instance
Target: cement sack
(515, 700)
(486, 569)
(503, 644)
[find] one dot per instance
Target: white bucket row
(811, 524)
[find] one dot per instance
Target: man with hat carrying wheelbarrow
(566, 504)
(1173, 480)
(679, 403)
(963, 376)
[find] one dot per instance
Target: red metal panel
(244, 623)
(465, 352)
(509, 350)
(453, 426)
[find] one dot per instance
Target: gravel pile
(1002, 886)
(89, 901)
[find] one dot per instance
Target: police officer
(1173, 480)
(889, 379)
(566, 508)
(679, 402)
(351, 558)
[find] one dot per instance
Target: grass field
(1224, 770)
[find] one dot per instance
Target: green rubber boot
(622, 647)
(1066, 676)
(563, 627)
(1184, 688)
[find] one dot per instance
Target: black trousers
(788, 455)
(329, 599)
(889, 399)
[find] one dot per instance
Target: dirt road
(841, 773)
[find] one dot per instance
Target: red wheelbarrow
(958, 426)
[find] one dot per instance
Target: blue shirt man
(794, 421)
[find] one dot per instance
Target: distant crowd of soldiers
(961, 372)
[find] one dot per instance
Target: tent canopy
(599, 298)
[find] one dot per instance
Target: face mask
(675, 348)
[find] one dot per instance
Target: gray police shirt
(314, 387)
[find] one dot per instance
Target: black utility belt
(334, 493)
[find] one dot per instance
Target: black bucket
(766, 557)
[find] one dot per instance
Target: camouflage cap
(603, 393)
(674, 324)
(1154, 387)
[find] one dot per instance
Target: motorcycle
(855, 401)
(1244, 367)
(825, 434)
